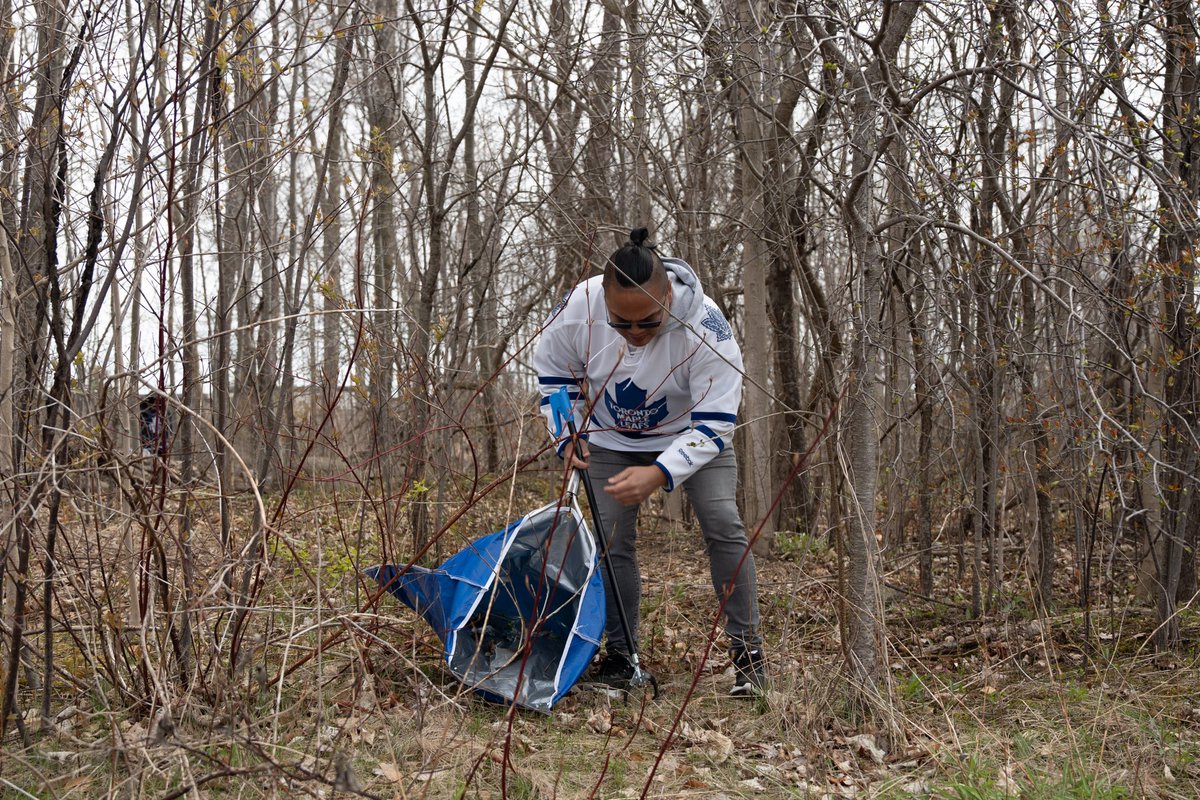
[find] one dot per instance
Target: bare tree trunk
(916, 306)
(789, 221)
(131, 394)
(641, 131)
(757, 440)
(284, 412)
(381, 103)
(1042, 557)
(9, 343)
(185, 222)
(231, 221)
(924, 398)
(8, 350)
(796, 511)
(331, 268)
(560, 124)
(437, 163)
(38, 216)
(863, 623)
(990, 296)
(249, 229)
(421, 343)
(1179, 226)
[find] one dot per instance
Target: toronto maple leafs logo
(717, 324)
(629, 410)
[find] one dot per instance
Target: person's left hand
(632, 485)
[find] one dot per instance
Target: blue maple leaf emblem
(717, 324)
(629, 410)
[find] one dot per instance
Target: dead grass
(1010, 707)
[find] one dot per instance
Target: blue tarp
(521, 611)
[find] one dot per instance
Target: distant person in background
(154, 427)
(655, 363)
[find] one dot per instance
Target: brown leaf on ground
(389, 772)
(865, 744)
(600, 721)
(716, 745)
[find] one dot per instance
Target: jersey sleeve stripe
(717, 440)
(712, 416)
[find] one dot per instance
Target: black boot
(749, 675)
(614, 670)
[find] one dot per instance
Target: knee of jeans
(725, 529)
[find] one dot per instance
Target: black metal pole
(640, 676)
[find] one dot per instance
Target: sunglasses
(624, 326)
(644, 324)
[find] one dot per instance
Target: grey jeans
(712, 491)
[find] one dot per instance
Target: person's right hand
(573, 459)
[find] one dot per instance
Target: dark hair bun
(635, 263)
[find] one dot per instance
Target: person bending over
(663, 375)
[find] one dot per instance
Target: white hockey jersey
(677, 396)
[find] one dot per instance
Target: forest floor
(1010, 706)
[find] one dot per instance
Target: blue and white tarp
(521, 611)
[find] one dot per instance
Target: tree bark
(1179, 227)
(757, 439)
(32, 285)
(863, 625)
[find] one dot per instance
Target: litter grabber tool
(560, 404)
